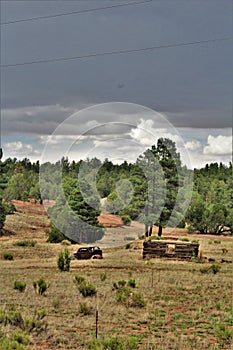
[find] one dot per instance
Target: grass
(184, 309)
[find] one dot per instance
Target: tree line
(154, 190)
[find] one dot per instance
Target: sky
(116, 105)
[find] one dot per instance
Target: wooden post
(96, 321)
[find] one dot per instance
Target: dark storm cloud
(192, 84)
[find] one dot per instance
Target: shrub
(85, 309)
(127, 246)
(26, 243)
(217, 241)
(87, 289)
(40, 286)
(19, 286)
(123, 294)
(15, 318)
(131, 283)
(121, 283)
(114, 343)
(7, 344)
(185, 239)
(9, 208)
(54, 235)
(63, 260)
(126, 220)
(78, 279)
(20, 337)
(103, 276)
(138, 300)
(65, 242)
(215, 268)
(8, 256)
(205, 269)
(37, 323)
(223, 334)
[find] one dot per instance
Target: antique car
(88, 253)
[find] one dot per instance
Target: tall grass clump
(8, 256)
(20, 286)
(40, 286)
(87, 289)
(63, 260)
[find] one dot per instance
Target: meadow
(142, 304)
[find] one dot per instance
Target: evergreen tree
(163, 165)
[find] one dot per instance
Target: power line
(110, 53)
(75, 12)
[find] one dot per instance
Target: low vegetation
(63, 260)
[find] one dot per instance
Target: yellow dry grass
(184, 307)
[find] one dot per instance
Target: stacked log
(170, 249)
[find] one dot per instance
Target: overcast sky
(191, 85)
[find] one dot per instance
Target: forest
(154, 190)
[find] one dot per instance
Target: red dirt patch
(110, 220)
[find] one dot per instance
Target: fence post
(96, 321)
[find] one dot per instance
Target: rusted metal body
(170, 249)
(88, 253)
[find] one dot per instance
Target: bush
(121, 283)
(9, 208)
(65, 242)
(224, 335)
(215, 268)
(138, 300)
(127, 246)
(78, 279)
(123, 294)
(126, 220)
(54, 235)
(87, 289)
(20, 337)
(205, 269)
(85, 309)
(114, 343)
(19, 286)
(103, 276)
(185, 239)
(63, 260)
(40, 286)
(131, 283)
(26, 243)
(15, 318)
(8, 256)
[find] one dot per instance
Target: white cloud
(219, 145)
(147, 134)
(193, 145)
(20, 149)
(57, 139)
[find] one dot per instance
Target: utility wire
(110, 53)
(75, 12)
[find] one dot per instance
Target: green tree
(2, 214)
(113, 203)
(211, 211)
(161, 159)
(76, 219)
(196, 214)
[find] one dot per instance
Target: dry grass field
(174, 305)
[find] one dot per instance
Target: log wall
(170, 249)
